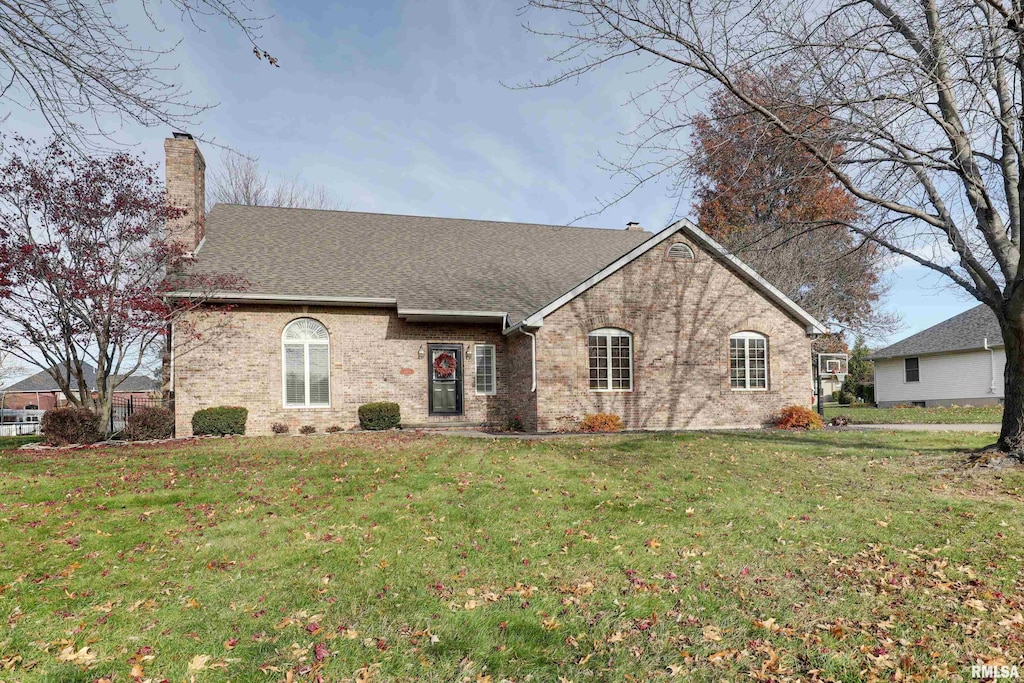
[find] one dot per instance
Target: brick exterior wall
(239, 362)
(186, 189)
(681, 314)
(17, 400)
(45, 400)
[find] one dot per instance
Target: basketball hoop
(833, 366)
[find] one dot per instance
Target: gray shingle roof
(41, 381)
(425, 263)
(960, 333)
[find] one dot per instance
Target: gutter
(441, 315)
(992, 366)
(521, 328)
(229, 297)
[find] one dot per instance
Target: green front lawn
(10, 442)
(950, 415)
(393, 557)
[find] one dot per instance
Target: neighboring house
(466, 322)
(41, 391)
(957, 362)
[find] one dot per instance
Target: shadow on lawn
(857, 442)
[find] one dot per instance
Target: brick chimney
(186, 189)
(633, 226)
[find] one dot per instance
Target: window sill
(610, 391)
(485, 393)
(311, 407)
(749, 391)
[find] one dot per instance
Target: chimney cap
(633, 225)
(181, 135)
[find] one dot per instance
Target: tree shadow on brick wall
(681, 327)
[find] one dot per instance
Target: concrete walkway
(921, 427)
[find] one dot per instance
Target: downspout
(533, 359)
(170, 362)
(991, 367)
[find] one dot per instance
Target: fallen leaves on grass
(84, 657)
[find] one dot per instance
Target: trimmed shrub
(798, 417)
(378, 416)
(601, 422)
(279, 428)
(219, 421)
(63, 426)
(846, 398)
(334, 429)
(307, 429)
(149, 423)
(836, 394)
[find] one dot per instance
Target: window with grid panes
(748, 361)
(610, 355)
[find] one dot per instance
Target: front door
(445, 372)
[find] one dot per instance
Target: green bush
(149, 423)
(846, 398)
(836, 394)
(219, 421)
(378, 416)
(63, 426)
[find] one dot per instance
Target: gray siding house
(957, 362)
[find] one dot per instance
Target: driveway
(920, 427)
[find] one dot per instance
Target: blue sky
(400, 107)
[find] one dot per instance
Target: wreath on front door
(444, 364)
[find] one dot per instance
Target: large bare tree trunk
(1011, 435)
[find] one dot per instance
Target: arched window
(307, 364)
(748, 361)
(680, 251)
(610, 351)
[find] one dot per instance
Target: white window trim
(746, 336)
(912, 381)
(305, 368)
(494, 370)
(608, 333)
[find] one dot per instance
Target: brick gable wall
(681, 314)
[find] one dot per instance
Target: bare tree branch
(73, 62)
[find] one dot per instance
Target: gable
(694, 237)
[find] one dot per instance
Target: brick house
(41, 391)
(466, 322)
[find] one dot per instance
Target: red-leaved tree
(767, 199)
(85, 266)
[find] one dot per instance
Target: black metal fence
(122, 407)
